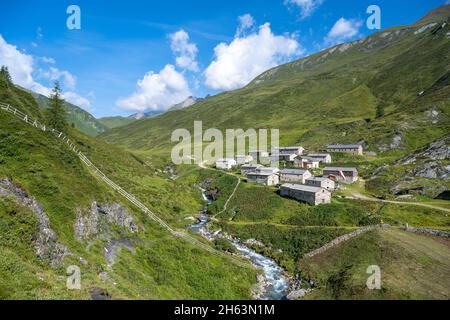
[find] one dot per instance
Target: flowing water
(274, 276)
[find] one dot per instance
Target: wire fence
(98, 173)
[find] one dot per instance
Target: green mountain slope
(81, 119)
(423, 261)
(115, 122)
(370, 90)
(54, 213)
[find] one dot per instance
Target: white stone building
(322, 157)
(312, 195)
(347, 175)
(264, 178)
(289, 150)
(354, 149)
(247, 168)
(242, 159)
(262, 169)
(226, 164)
(306, 163)
(288, 157)
(321, 182)
(294, 175)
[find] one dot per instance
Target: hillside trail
(239, 180)
(359, 196)
(61, 136)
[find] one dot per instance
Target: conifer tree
(5, 76)
(56, 114)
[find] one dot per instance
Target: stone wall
(432, 232)
(342, 239)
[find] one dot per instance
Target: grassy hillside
(390, 91)
(81, 119)
(157, 267)
(289, 229)
(366, 90)
(412, 267)
(115, 122)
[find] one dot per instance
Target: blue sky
(124, 58)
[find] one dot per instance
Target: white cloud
(343, 30)
(186, 52)
(238, 63)
(246, 22)
(53, 74)
(158, 91)
(39, 33)
(76, 99)
(307, 7)
(48, 60)
(21, 68)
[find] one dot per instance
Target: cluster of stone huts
(298, 183)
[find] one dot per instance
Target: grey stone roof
(293, 171)
(289, 148)
(308, 158)
(340, 169)
(261, 174)
(225, 160)
(301, 187)
(317, 155)
(317, 179)
(251, 166)
(343, 146)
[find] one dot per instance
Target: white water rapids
(277, 285)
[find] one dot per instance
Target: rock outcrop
(438, 150)
(97, 224)
(46, 241)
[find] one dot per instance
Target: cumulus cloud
(307, 7)
(53, 74)
(343, 30)
(158, 91)
(76, 99)
(238, 63)
(186, 52)
(48, 60)
(246, 22)
(21, 68)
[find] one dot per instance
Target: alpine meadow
(352, 202)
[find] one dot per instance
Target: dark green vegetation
(332, 96)
(290, 229)
(76, 117)
(5, 77)
(161, 267)
(55, 115)
(115, 122)
(389, 91)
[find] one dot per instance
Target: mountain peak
(441, 13)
